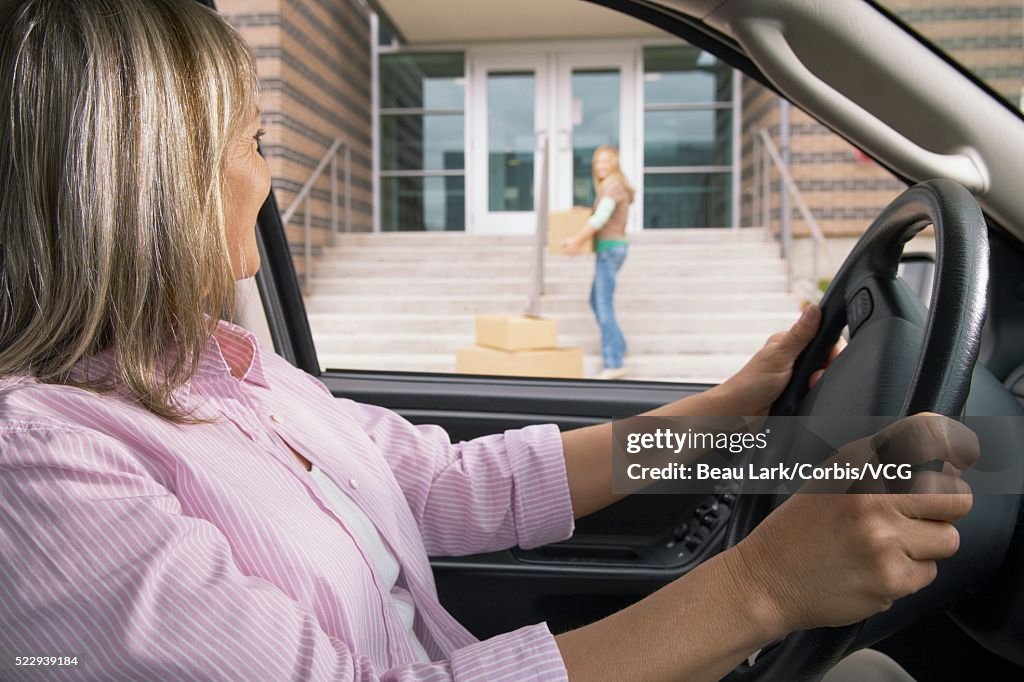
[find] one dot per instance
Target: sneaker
(612, 373)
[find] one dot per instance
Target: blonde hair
(615, 174)
(114, 118)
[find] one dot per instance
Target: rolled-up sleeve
(528, 653)
(481, 495)
(97, 559)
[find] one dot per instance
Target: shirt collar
(232, 351)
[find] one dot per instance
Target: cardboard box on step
(562, 363)
(516, 332)
(565, 224)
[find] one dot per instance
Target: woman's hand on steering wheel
(877, 547)
(752, 390)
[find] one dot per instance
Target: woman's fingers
(834, 559)
(926, 437)
(952, 503)
(926, 540)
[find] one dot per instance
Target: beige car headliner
(851, 67)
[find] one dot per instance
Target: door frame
(557, 57)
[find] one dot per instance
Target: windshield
(986, 37)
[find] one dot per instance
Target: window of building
(510, 133)
(596, 121)
(688, 113)
(422, 142)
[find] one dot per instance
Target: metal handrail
(330, 157)
(770, 156)
(540, 237)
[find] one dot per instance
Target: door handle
(563, 140)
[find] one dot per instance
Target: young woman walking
(607, 226)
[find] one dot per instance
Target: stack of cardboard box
(517, 345)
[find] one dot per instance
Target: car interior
(848, 64)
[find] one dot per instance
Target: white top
(373, 547)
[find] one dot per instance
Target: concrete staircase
(693, 304)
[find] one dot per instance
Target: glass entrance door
(509, 114)
(595, 106)
(576, 101)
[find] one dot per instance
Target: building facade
(446, 107)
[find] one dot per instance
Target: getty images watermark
(688, 441)
(695, 455)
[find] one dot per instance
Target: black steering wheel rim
(940, 382)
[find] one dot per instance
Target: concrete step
(694, 304)
(650, 286)
(325, 324)
(653, 236)
(516, 254)
(428, 239)
(639, 344)
(471, 304)
(697, 368)
(582, 268)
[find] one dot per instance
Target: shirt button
(353, 483)
(277, 419)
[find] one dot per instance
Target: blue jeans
(602, 293)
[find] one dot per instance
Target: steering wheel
(900, 360)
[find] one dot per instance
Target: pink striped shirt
(160, 551)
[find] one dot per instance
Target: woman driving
(177, 502)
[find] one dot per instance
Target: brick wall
(313, 58)
(844, 190)
(986, 36)
(760, 109)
